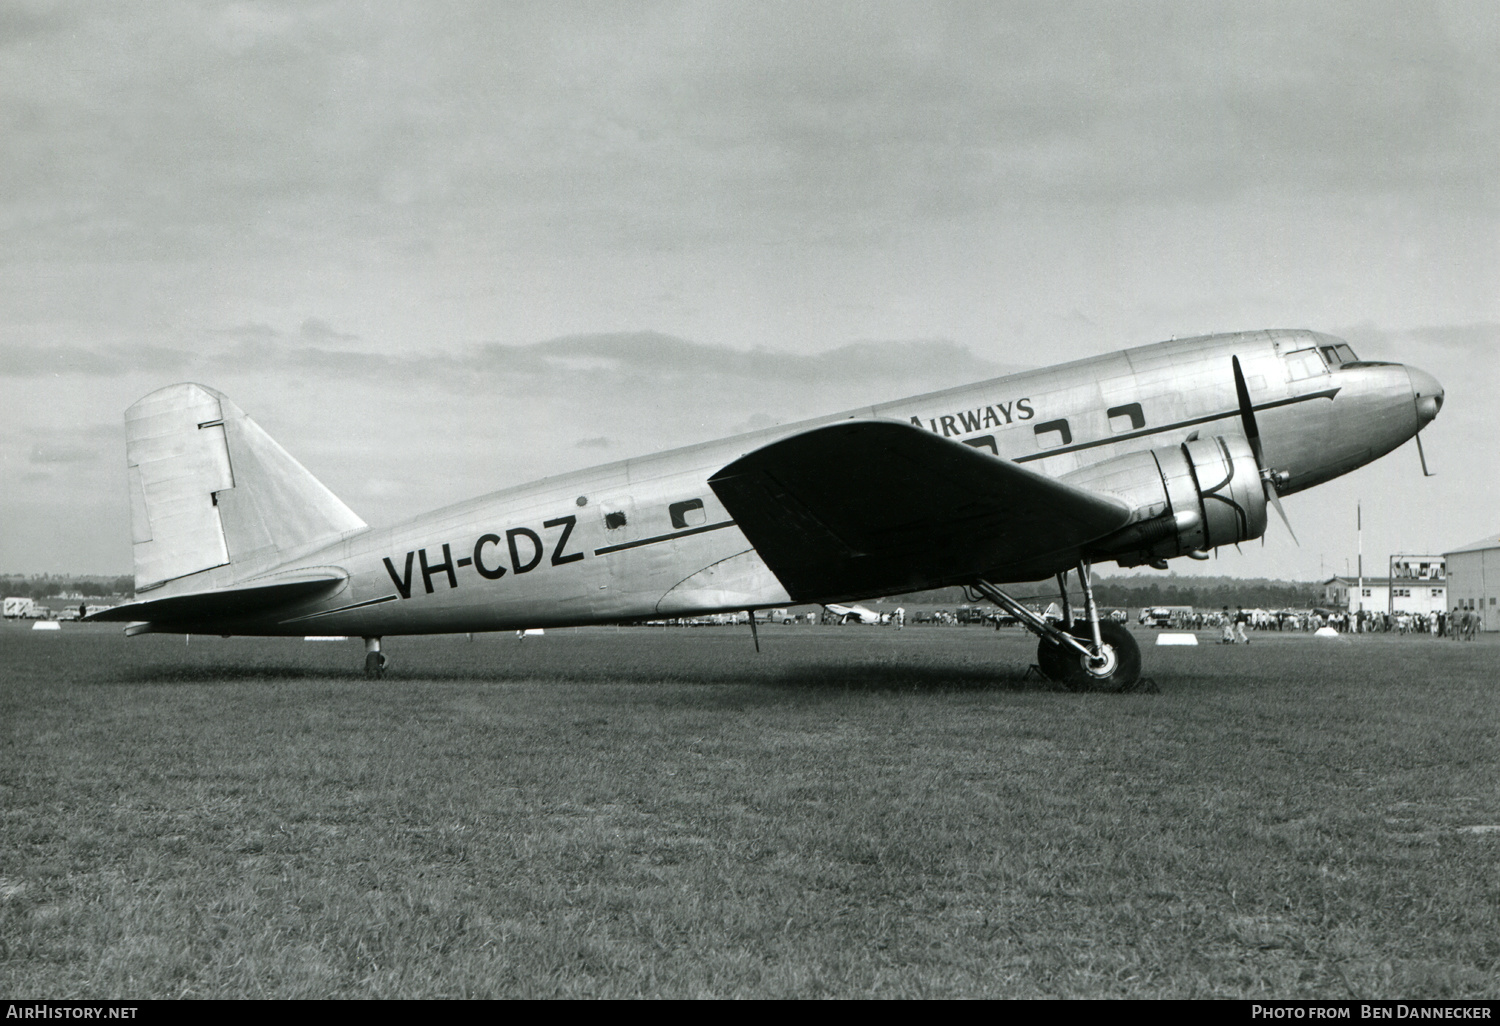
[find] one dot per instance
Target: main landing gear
(1081, 654)
(374, 659)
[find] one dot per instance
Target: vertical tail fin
(209, 488)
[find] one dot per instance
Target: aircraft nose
(1427, 393)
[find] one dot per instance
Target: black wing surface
(865, 508)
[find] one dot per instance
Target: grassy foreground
(641, 812)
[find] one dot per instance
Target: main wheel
(374, 665)
(1117, 668)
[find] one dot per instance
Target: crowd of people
(1243, 619)
(1458, 625)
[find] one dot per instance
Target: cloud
(28, 361)
(77, 434)
(28, 22)
(1473, 340)
(664, 357)
(598, 442)
(756, 422)
(1464, 357)
(213, 351)
(565, 364)
(178, 131)
(43, 452)
(315, 330)
(252, 332)
(378, 488)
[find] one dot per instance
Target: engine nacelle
(1187, 498)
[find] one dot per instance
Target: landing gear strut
(1083, 654)
(374, 659)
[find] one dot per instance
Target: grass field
(853, 812)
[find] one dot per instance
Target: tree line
(1169, 590)
(48, 586)
(1211, 593)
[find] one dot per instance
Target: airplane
(853, 614)
(1139, 457)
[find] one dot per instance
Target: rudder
(209, 488)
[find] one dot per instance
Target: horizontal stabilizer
(866, 508)
(249, 599)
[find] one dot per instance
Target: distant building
(1474, 579)
(1419, 584)
(1373, 594)
(1387, 594)
(1419, 568)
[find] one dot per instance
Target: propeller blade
(1423, 456)
(1252, 435)
(1247, 414)
(1276, 501)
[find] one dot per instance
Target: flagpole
(1359, 530)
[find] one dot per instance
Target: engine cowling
(1187, 498)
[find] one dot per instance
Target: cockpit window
(1338, 355)
(1305, 363)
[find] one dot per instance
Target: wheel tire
(1053, 660)
(1074, 671)
(374, 665)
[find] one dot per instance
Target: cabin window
(983, 442)
(614, 520)
(688, 514)
(1052, 434)
(1305, 363)
(1126, 418)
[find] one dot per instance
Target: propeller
(1423, 457)
(1252, 435)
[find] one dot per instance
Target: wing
(878, 507)
(247, 599)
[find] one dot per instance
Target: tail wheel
(1117, 668)
(374, 665)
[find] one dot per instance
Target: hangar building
(1474, 579)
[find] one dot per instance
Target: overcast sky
(438, 249)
